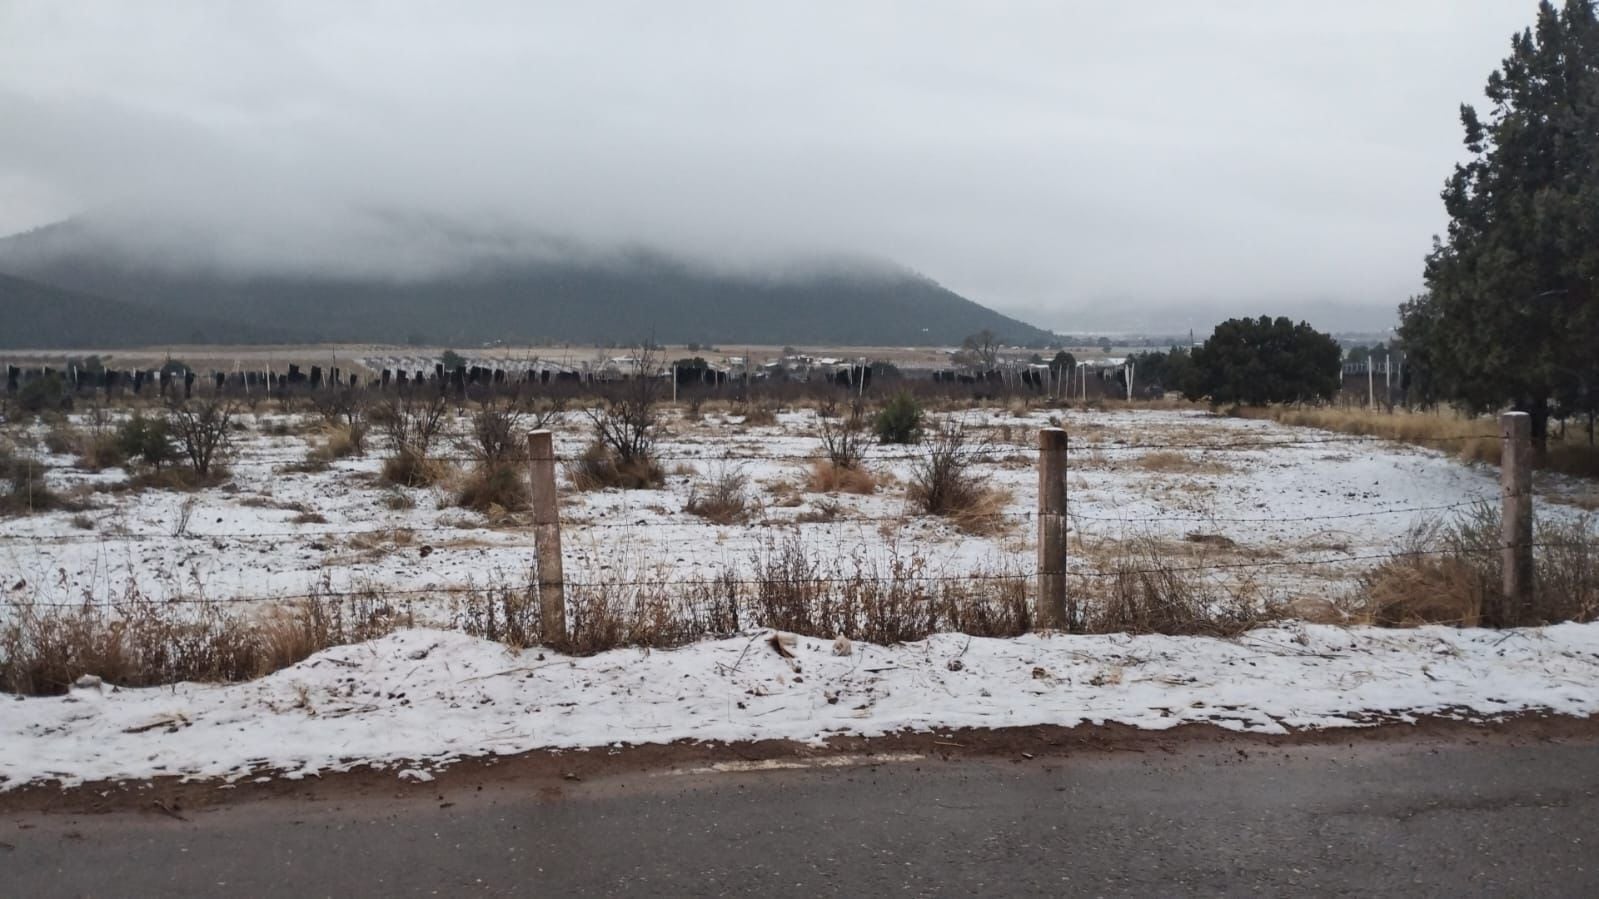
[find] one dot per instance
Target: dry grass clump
(830, 477)
(1172, 462)
(1473, 439)
(621, 609)
(407, 468)
(62, 438)
(985, 514)
(1449, 571)
(599, 468)
(138, 642)
(758, 415)
(98, 452)
(888, 601)
(23, 488)
(494, 487)
(721, 498)
(339, 442)
(1143, 587)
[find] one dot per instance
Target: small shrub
(102, 451)
(900, 420)
(203, 432)
(407, 468)
(341, 442)
(396, 501)
(599, 468)
(942, 481)
(844, 442)
(627, 418)
(147, 442)
(43, 394)
(62, 438)
(495, 486)
(496, 436)
(759, 416)
(723, 498)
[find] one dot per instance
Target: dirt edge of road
(548, 773)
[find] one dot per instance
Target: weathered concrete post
(547, 536)
(1052, 529)
(1515, 491)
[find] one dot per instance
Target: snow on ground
(1310, 499)
(429, 697)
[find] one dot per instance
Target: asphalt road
(1418, 819)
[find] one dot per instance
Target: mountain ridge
(626, 296)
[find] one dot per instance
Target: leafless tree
(627, 415)
(981, 350)
(203, 430)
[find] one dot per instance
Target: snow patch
(420, 698)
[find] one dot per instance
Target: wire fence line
(840, 518)
(978, 449)
(665, 583)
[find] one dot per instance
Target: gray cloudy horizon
(1038, 158)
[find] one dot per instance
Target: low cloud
(1033, 157)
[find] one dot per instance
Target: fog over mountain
(1047, 159)
(423, 279)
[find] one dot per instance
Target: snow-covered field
(1233, 488)
(420, 698)
(1299, 513)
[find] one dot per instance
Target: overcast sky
(1033, 156)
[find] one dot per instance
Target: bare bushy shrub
(344, 411)
(203, 432)
(844, 442)
(628, 416)
(100, 448)
(944, 480)
(495, 435)
(412, 422)
(407, 468)
(723, 497)
(543, 412)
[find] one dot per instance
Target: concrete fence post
(1052, 611)
(547, 536)
(1515, 491)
